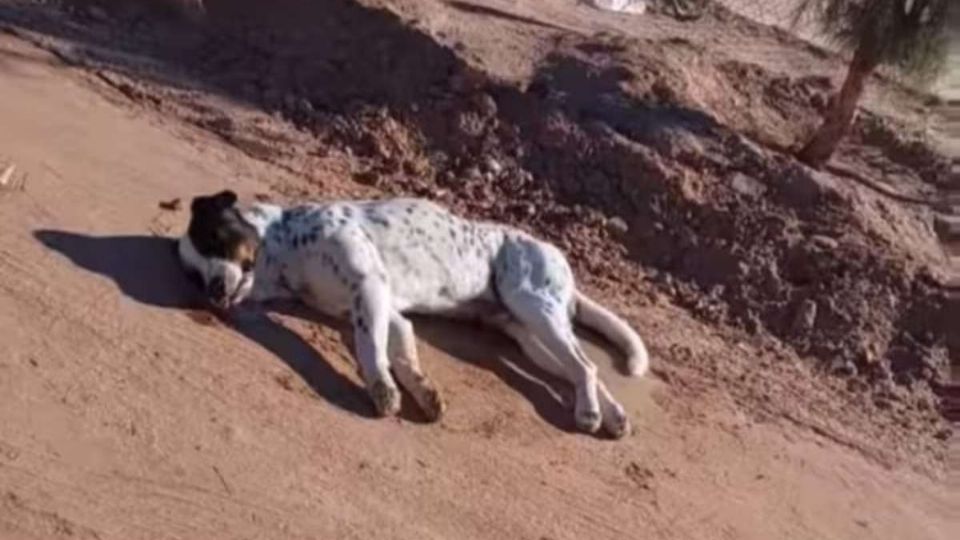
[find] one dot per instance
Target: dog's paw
(432, 404)
(588, 420)
(386, 397)
(616, 424)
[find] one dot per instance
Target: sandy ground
(126, 414)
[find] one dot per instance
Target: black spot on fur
(494, 287)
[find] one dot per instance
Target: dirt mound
(657, 163)
(628, 142)
(125, 413)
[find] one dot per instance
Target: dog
(376, 261)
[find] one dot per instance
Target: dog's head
(220, 249)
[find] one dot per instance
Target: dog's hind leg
(406, 366)
(548, 321)
(615, 420)
(535, 284)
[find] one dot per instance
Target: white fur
(233, 277)
(376, 261)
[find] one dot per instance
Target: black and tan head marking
(221, 247)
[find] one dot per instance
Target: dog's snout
(216, 288)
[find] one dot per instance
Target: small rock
(857, 385)
(7, 174)
(903, 378)
(97, 13)
(746, 185)
(617, 226)
(221, 124)
(367, 178)
(843, 367)
(486, 105)
(948, 227)
(304, 106)
(818, 102)
(869, 355)
(803, 186)
(806, 316)
(493, 165)
(824, 242)
(448, 177)
(172, 205)
(883, 402)
(473, 174)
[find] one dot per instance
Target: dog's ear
(225, 199)
(219, 201)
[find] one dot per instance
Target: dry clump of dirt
(657, 165)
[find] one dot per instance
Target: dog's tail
(594, 316)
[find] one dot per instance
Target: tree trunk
(838, 118)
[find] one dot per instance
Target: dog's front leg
(370, 315)
(406, 366)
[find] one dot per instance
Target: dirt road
(126, 414)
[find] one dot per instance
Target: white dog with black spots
(377, 261)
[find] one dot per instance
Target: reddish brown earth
(801, 322)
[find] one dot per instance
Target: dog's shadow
(147, 270)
